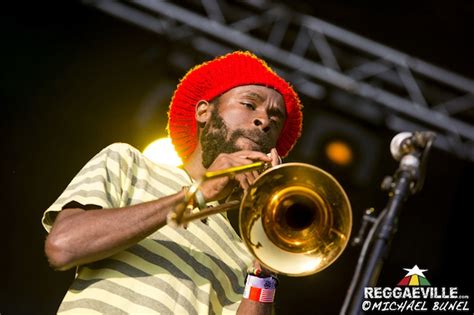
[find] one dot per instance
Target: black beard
(218, 141)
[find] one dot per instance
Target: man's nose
(262, 122)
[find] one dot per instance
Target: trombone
(295, 218)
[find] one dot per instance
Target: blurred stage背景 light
(343, 147)
(161, 151)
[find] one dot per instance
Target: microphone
(409, 142)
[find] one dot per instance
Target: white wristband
(263, 283)
(260, 289)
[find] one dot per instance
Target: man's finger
(276, 159)
(243, 181)
(253, 155)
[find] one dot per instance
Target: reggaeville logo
(414, 293)
(414, 277)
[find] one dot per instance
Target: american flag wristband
(260, 289)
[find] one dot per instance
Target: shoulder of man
(121, 147)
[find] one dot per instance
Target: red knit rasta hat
(213, 78)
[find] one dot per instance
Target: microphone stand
(408, 179)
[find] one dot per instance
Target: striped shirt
(198, 270)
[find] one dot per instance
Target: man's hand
(220, 188)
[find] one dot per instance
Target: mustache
(256, 136)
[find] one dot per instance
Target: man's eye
(249, 105)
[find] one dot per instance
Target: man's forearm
(255, 308)
(80, 236)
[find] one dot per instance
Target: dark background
(74, 80)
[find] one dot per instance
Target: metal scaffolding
(318, 57)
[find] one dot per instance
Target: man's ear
(203, 112)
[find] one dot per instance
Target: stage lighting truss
(317, 56)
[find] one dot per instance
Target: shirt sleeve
(101, 183)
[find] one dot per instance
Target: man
(110, 222)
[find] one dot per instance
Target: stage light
(341, 146)
(162, 151)
(339, 152)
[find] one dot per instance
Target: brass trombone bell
(295, 218)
